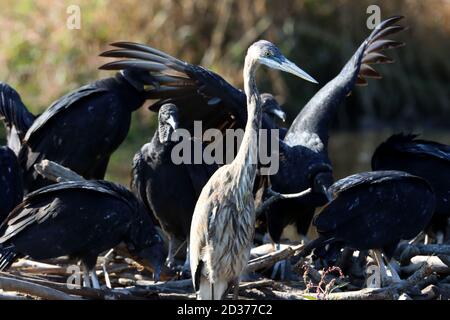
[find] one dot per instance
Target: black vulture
(80, 130)
(81, 220)
(199, 93)
(11, 191)
(374, 210)
(427, 159)
(157, 180)
(15, 115)
(304, 160)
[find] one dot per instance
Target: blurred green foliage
(43, 59)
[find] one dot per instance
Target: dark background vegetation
(43, 59)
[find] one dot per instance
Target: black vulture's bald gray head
(268, 54)
(270, 106)
(167, 121)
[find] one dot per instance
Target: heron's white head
(268, 54)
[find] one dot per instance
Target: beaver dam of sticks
(424, 271)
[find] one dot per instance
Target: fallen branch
(433, 262)
(423, 250)
(391, 292)
(55, 172)
(270, 259)
(33, 289)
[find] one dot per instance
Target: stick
(270, 259)
(434, 262)
(424, 250)
(391, 292)
(25, 263)
(275, 196)
(55, 172)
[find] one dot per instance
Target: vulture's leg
(279, 266)
(186, 270)
(382, 267)
(394, 274)
(94, 279)
(86, 282)
(439, 237)
(170, 254)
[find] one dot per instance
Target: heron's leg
(211, 286)
(382, 267)
(94, 279)
(236, 289)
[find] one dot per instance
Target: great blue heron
(80, 130)
(304, 160)
(79, 219)
(427, 159)
(222, 226)
(11, 192)
(374, 210)
(157, 180)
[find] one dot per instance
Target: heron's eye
(267, 54)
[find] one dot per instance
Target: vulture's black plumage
(427, 159)
(15, 115)
(80, 130)
(199, 94)
(81, 220)
(374, 210)
(304, 160)
(11, 192)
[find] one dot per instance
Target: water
(351, 152)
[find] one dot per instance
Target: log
(33, 289)
(88, 293)
(13, 296)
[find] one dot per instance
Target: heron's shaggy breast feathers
(222, 227)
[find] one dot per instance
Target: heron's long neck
(246, 159)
